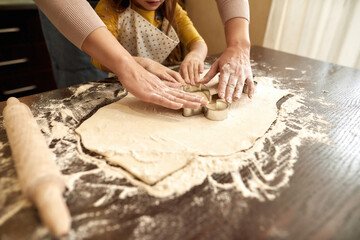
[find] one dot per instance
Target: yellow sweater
(186, 30)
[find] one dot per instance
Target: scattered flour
(80, 89)
(260, 184)
(59, 117)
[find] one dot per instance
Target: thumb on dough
(211, 73)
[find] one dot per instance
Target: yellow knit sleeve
(110, 17)
(186, 30)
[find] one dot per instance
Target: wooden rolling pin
(40, 180)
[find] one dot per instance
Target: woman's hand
(234, 64)
(235, 69)
(149, 88)
(160, 70)
(104, 47)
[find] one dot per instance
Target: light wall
(322, 29)
(206, 19)
(259, 14)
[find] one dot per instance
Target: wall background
(326, 30)
(206, 19)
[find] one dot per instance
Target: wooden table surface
(321, 200)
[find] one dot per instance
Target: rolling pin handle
(51, 205)
(12, 100)
(40, 179)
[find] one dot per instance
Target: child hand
(191, 68)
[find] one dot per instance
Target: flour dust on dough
(152, 142)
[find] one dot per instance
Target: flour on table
(260, 172)
(152, 142)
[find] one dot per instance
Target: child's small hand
(191, 68)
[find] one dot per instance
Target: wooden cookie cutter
(216, 110)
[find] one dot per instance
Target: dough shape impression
(152, 142)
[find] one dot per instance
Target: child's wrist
(194, 54)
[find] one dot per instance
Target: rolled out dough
(152, 142)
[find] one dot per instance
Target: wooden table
(320, 201)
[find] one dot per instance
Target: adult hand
(149, 88)
(235, 69)
(104, 47)
(234, 64)
(160, 71)
(191, 68)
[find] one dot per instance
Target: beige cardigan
(76, 19)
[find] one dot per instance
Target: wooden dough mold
(217, 108)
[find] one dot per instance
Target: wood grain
(40, 180)
(321, 200)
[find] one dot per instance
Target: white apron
(140, 38)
